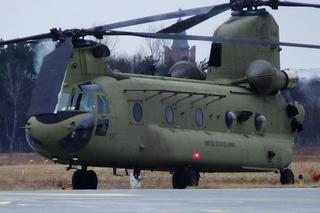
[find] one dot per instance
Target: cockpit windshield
(80, 99)
(76, 102)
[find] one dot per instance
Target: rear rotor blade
(49, 85)
(161, 17)
(211, 38)
(195, 20)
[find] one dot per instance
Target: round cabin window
(199, 117)
(260, 122)
(137, 112)
(169, 114)
(230, 119)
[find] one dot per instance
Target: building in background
(180, 51)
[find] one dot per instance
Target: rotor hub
(256, 12)
(249, 5)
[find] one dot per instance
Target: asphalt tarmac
(163, 201)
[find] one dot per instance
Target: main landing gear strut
(185, 177)
(84, 179)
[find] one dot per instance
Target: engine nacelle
(265, 79)
(186, 69)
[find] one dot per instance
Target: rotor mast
(229, 62)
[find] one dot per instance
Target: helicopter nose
(53, 134)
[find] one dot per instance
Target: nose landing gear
(83, 179)
(136, 174)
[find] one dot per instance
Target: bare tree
(156, 47)
(17, 77)
(13, 82)
(111, 43)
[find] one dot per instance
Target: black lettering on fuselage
(220, 144)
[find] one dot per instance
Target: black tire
(286, 177)
(179, 181)
(78, 179)
(192, 177)
(91, 180)
(82, 180)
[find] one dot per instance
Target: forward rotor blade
(275, 4)
(26, 39)
(211, 38)
(297, 4)
(48, 86)
(195, 20)
(161, 17)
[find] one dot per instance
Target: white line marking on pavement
(72, 195)
(215, 211)
(25, 204)
(4, 203)
(87, 207)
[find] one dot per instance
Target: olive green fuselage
(154, 143)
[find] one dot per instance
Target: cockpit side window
(103, 104)
(86, 102)
(107, 104)
(100, 104)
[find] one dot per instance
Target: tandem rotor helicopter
(233, 119)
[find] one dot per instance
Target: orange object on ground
(314, 176)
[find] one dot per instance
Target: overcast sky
(22, 18)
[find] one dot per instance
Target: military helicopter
(232, 119)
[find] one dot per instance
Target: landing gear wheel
(192, 177)
(183, 178)
(92, 180)
(77, 179)
(179, 181)
(84, 180)
(286, 176)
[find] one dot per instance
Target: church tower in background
(180, 51)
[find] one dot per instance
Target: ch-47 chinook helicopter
(233, 119)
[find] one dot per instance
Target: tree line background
(18, 75)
